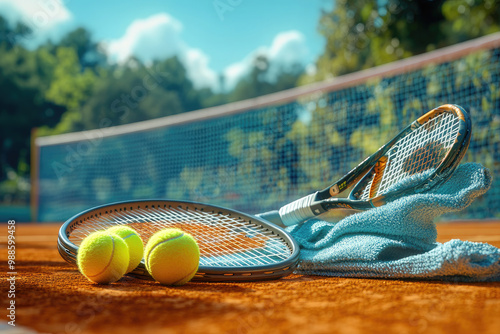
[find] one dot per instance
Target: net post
(34, 175)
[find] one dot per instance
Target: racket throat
(378, 171)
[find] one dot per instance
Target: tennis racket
(432, 147)
(233, 246)
(239, 247)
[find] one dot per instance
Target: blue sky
(209, 36)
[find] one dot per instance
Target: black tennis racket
(431, 146)
(233, 246)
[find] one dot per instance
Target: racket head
(233, 246)
(429, 149)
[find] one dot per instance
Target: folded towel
(398, 240)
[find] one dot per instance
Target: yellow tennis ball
(134, 243)
(172, 256)
(103, 257)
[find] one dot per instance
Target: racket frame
(443, 171)
(68, 250)
(322, 201)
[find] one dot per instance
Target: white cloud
(287, 49)
(158, 37)
(147, 39)
(155, 37)
(234, 72)
(197, 67)
(46, 18)
(311, 69)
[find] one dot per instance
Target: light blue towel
(398, 240)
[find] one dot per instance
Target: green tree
(470, 19)
(88, 51)
(71, 86)
(366, 33)
(24, 77)
(10, 36)
(135, 92)
(172, 76)
(265, 78)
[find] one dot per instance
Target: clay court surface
(52, 297)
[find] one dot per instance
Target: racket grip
(298, 211)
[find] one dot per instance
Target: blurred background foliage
(70, 85)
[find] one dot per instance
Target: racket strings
(222, 235)
(379, 171)
(216, 234)
(224, 240)
(421, 150)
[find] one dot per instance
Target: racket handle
(294, 213)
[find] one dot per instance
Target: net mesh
(266, 156)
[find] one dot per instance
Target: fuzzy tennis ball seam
(160, 243)
(109, 262)
(172, 256)
(186, 278)
(134, 243)
(103, 257)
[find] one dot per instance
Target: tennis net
(258, 154)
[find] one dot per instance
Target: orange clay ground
(52, 297)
